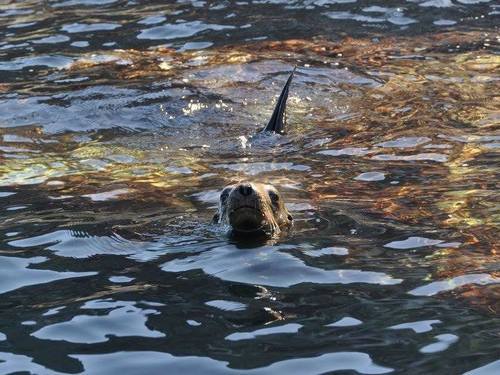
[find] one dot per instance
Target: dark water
(120, 121)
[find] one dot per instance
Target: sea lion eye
(274, 196)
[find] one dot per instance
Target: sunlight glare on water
(121, 121)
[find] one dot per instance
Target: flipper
(277, 122)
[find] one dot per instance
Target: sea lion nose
(245, 189)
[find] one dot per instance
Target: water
(120, 121)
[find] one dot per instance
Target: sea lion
(253, 207)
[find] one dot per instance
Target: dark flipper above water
(277, 122)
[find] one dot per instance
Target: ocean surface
(120, 123)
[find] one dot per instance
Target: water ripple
(121, 120)
(156, 362)
(16, 273)
(489, 369)
(453, 283)
(51, 61)
(180, 30)
(286, 328)
(346, 321)
(418, 327)
(125, 320)
(88, 27)
(12, 363)
(76, 244)
(270, 266)
(444, 342)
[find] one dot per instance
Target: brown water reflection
(390, 166)
(423, 111)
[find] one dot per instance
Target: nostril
(245, 189)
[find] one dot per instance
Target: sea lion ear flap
(216, 218)
(277, 122)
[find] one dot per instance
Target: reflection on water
(17, 274)
(155, 362)
(270, 266)
(124, 320)
(121, 120)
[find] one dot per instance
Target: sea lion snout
(245, 189)
(245, 208)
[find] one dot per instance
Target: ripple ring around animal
(250, 207)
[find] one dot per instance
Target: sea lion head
(249, 207)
